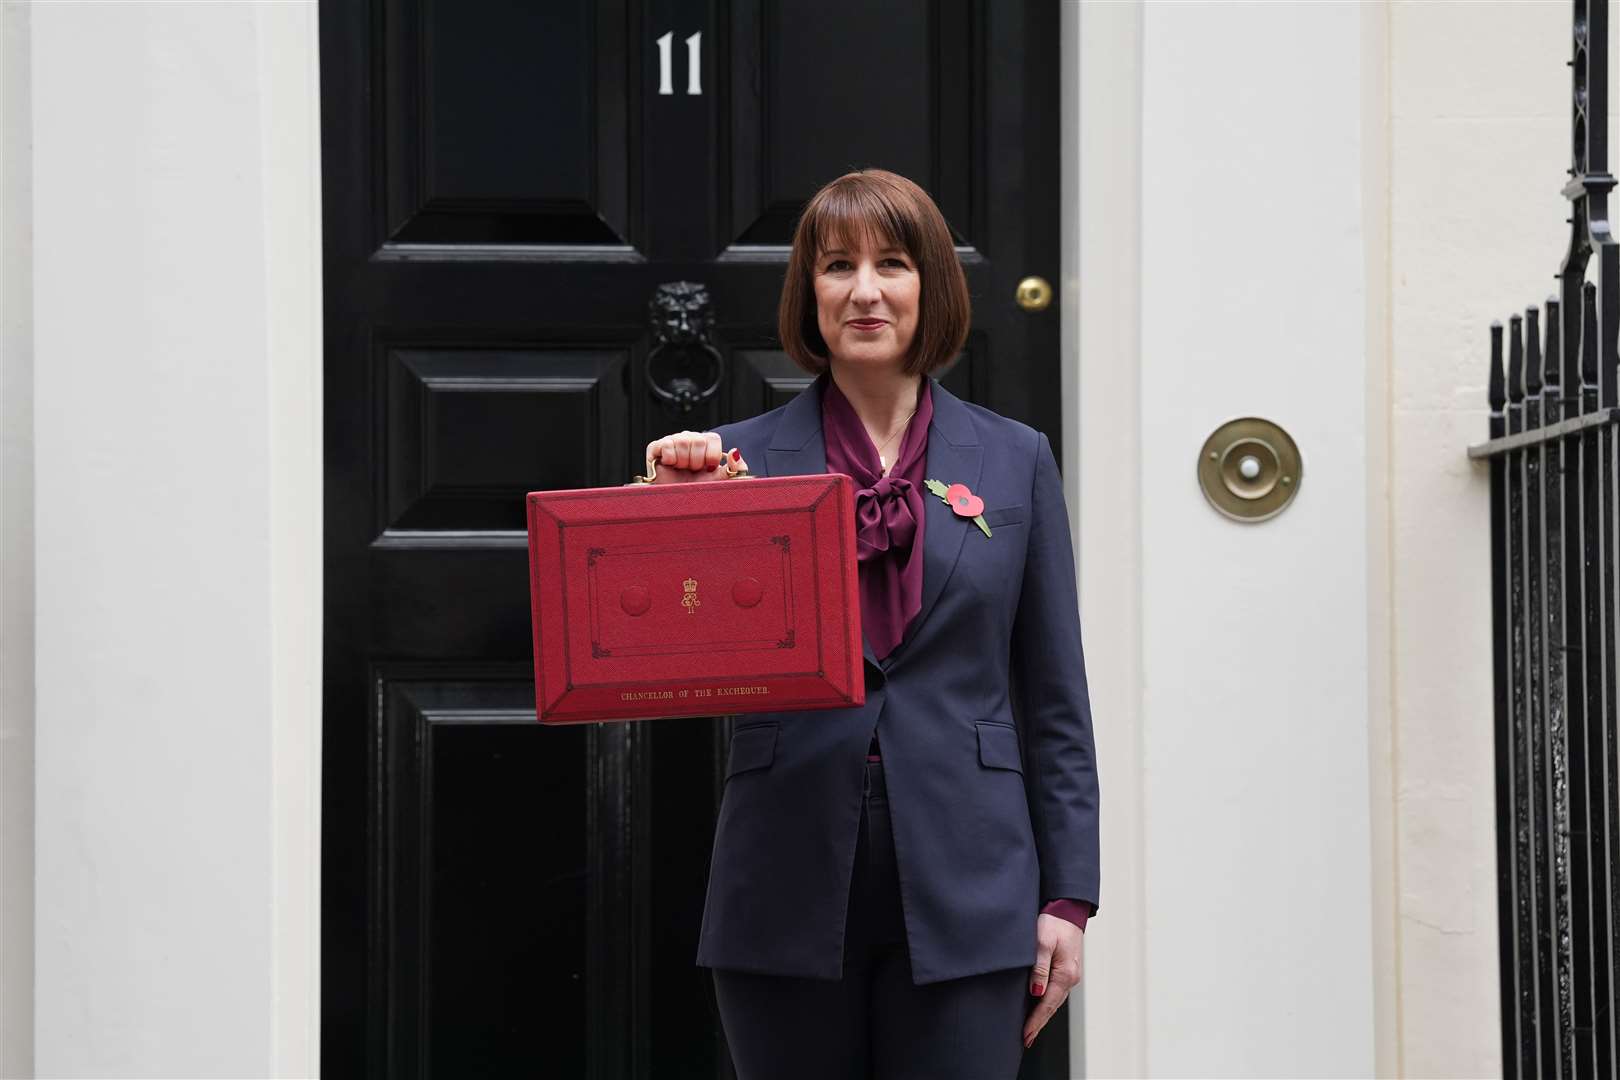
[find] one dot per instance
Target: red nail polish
(736, 455)
(1040, 988)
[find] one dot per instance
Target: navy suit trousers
(873, 1023)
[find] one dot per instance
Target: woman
(892, 884)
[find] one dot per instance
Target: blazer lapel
(954, 456)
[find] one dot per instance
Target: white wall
(16, 551)
(176, 305)
(1235, 730)
(1101, 298)
(1294, 720)
(1255, 639)
(1478, 147)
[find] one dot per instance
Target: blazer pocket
(752, 747)
(1005, 515)
(998, 746)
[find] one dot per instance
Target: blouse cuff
(1075, 911)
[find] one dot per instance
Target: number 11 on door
(694, 58)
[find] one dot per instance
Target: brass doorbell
(1249, 469)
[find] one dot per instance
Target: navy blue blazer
(982, 712)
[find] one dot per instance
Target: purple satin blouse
(889, 518)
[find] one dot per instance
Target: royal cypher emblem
(963, 503)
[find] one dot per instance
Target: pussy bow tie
(883, 518)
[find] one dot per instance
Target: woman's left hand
(1059, 948)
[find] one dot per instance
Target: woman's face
(866, 303)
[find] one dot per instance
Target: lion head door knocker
(684, 368)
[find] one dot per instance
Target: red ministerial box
(695, 599)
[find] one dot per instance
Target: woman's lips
(868, 324)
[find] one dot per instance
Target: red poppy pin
(963, 503)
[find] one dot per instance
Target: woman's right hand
(686, 457)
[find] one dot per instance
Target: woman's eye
(843, 264)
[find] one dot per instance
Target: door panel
(466, 427)
(898, 95)
(506, 188)
(506, 123)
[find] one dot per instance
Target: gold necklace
(883, 464)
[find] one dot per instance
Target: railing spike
(1498, 389)
(1553, 354)
(1515, 372)
(1533, 368)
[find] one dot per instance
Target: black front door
(507, 185)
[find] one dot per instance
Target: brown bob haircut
(892, 211)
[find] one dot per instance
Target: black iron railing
(1552, 454)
